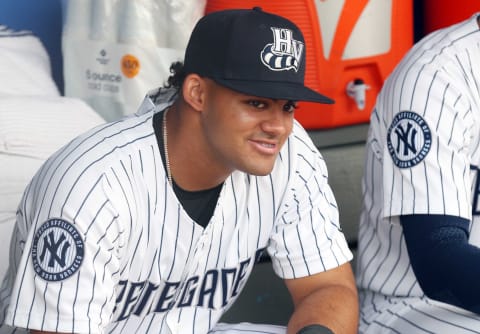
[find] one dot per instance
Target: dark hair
(177, 77)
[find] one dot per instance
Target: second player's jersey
(423, 153)
(102, 243)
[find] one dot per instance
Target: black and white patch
(409, 139)
(285, 53)
(57, 250)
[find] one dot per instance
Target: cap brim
(275, 90)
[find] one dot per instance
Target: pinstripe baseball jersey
(102, 243)
(422, 157)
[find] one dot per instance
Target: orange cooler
(352, 46)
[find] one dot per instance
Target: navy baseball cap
(252, 52)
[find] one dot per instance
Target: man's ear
(194, 90)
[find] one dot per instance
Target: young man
(418, 265)
(152, 224)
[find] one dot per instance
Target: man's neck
(191, 166)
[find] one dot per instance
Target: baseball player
(153, 223)
(418, 262)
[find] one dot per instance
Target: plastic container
(352, 46)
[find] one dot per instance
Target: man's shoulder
(298, 153)
(300, 141)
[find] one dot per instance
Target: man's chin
(258, 171)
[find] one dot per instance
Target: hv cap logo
(284, 53)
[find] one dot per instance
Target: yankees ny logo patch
(408, 139)
(57, 250)
(284, 53)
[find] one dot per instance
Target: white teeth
(268, 145)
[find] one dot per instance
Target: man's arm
(445, 264)
(328, 298)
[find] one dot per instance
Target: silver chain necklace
(165, 147)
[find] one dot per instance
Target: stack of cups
(116, 50)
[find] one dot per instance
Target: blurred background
(45, 18)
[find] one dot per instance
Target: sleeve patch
(409, 139)
(57, 250)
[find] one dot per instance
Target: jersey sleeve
(308, 238)
(69, 237)
(427, 145)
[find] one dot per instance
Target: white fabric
(31, 129)
(35, 127)
(6, 231)
(16, 172)
(247, 328)
(25, 65)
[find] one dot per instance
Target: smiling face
(244, 132)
